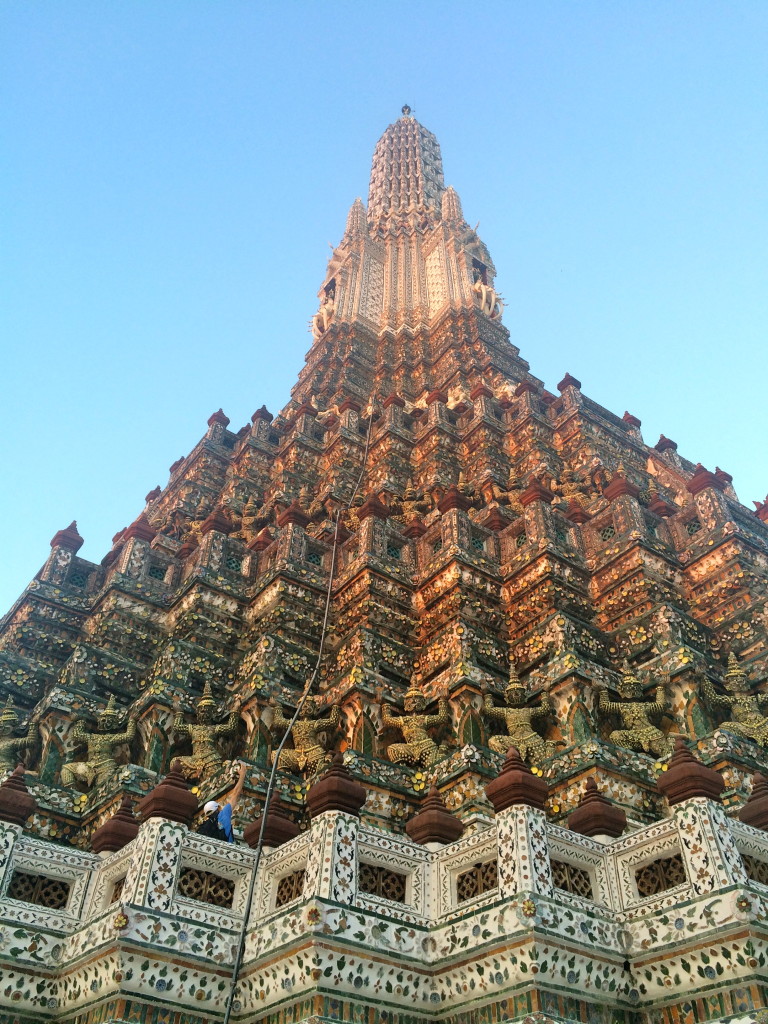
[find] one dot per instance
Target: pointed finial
(357, 221)
(117, 831)
(170, 799)
(687, 777)
(406, 110)
(262, 414)
(516, 784)
(569, 382)
(451, 206)
(336, 790)
(665, 444)
(219, 417)
(620, 486)
(141, 529)
(596, 815)
(262, 540)
(16, 802)
(434, 823)
(280, 827)
(69, 538)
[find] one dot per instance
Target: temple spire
(451, 207)
(406, 262)
(357, 224)
(407, 171)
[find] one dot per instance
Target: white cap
(210, 807)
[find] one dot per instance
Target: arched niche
(364, 736)
(578, 727)
(471, 729)
(156, 749)
(51, 760)
(260, 744)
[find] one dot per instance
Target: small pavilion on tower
(488, 668)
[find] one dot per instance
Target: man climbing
(217, 823)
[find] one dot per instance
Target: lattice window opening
(660, 875)
(116, 892)
(521, 540)
(43, 891)
(79, 578)
(205, 887)
(477, 881)
(437, 545)
(314, 556)
(573, 879)
(234, 563)
(693, 526)
(377, 880)
(157, 572)
(757, 870)
(606, 532)
(394, 550)
(290, 888)
(477, 542)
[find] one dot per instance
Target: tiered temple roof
(512, 567)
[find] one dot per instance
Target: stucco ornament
(321, 321)
(518, 717)
(100, 763)
(10, 745)
(310, 754)
(638, 733)
(488, 299)
(204, 734)
(745, 708)
(419, 747)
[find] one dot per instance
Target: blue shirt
(225, 821)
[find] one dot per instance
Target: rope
(302, 700)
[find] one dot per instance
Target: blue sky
(173, 172)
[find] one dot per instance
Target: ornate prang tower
(527, 784)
